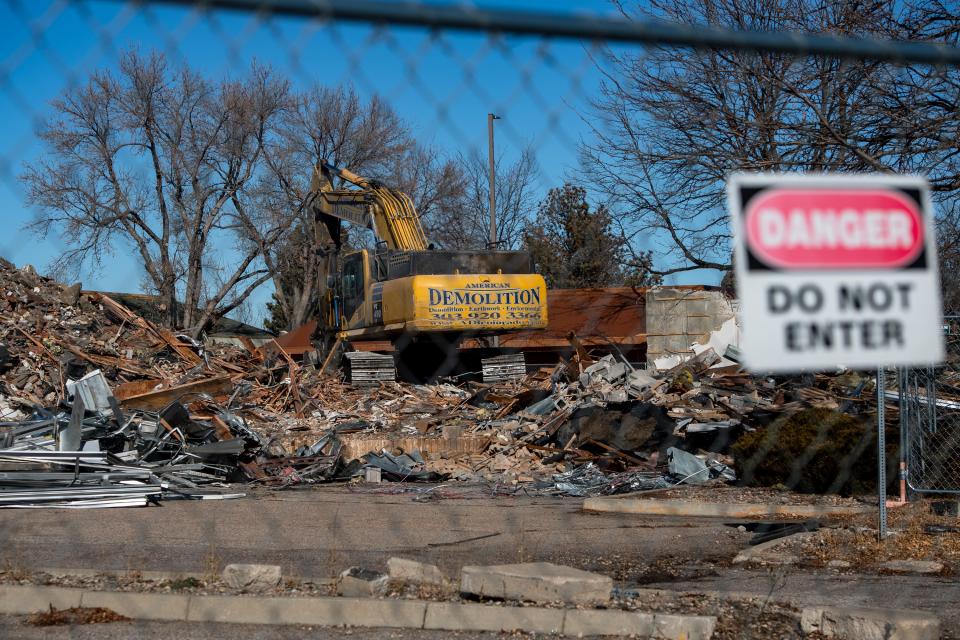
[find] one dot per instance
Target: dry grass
(74, 616)
(212, 564)
(14, 572)
(858, 544)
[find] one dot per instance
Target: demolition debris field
(160, 416)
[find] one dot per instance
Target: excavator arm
(389, 213)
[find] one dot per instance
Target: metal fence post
(882, 452)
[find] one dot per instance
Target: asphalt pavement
(318, 532)
(18, 627)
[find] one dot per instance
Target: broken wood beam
(132, 394)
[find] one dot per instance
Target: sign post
(882, 452)
(837, 270)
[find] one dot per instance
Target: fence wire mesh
(930, 421)
(167, 156)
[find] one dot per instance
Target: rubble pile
(94, 397)
(92, 400)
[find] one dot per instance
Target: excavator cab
(353, 285)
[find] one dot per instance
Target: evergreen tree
(576, 247)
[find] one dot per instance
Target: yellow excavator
(421, 298)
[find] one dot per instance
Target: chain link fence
(929, 421)
(175, 148)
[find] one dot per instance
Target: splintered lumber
(104, 361)
(252, 349)
(161, 335)
(134, 394)
(294, 371)
(333, 350)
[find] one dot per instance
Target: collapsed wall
(679, 317)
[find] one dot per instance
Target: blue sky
(442, 86)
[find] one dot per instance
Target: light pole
(493, 181)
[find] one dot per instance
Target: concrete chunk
(855, 623)
(607, 369)
(641, 384)
(536, 582)
(688, 627)
(252, 577)
(912, 566)
(357, 582)
(416, 572)
(70, 296)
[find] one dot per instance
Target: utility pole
(493, 181)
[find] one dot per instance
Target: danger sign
(835, 270)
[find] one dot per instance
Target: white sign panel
(835, 269)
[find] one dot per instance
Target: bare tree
(157, 158)
(438, 186)
(466, 225)
(671, 123)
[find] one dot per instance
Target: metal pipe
(591, 27)
(881, 453)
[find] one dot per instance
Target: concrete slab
(252, 577)
(922, 567)
(478, 617)
(764, 552)
(853, 623)
(139, 606)
(536, 582)
(416, 572)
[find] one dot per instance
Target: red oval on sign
(834, 228)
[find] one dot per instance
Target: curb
(654, 507)
(359, 612)
(860, 623)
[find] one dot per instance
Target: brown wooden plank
(223, 431)
(160, 399)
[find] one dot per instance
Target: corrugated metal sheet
(596, 316)
(297, 342)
